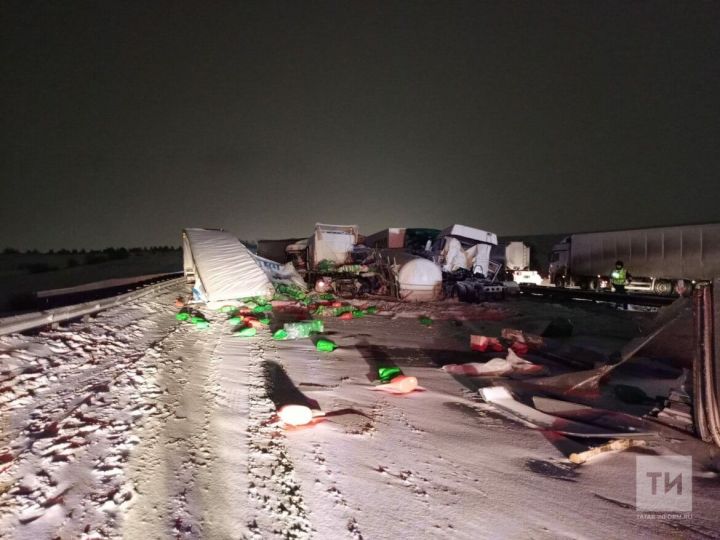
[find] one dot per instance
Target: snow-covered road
(135, 425)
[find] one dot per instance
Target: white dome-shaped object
(420, 280)
(295, 415)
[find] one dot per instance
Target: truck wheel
(461, 292)
(559, 282)
(663, 287)
(479, 294)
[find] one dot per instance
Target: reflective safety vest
(618, 276)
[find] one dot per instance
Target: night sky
(123, 122)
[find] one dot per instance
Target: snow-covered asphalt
(134, 425)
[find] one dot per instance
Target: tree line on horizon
(79, 257)
(107, 251)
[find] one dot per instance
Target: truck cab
(559, 260)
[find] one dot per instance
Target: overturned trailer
(221, 268)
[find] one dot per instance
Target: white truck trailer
(517, 263)
(659, 259)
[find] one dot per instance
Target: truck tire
(663, 287)
(462, 292)
(559, 282)
(479, 294)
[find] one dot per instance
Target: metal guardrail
(107, 284)
(27, 321)
(597, 296)
(96, 291)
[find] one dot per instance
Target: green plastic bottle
(387, 374)
(280, 334)
(264, 320)
(358, 314)
(248, 331)
(325, 345)
(196, 319)
(343, 309)
(262, 309)
(372, 310)
(303, 329)
(202, 324)
(182, 316)
(427, 321)
(235, 320)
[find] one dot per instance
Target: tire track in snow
(178, 448)
(273, 491)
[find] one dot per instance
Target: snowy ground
(136, 425)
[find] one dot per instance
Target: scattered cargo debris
(400, 384)
(613, 420)
(501, 398)
(496, 367)
(563, 353)
(484, 343)
(298, 415)
(578, 458)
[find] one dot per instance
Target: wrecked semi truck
(331, 245)
(467, 269)
(337, 263)
(660, 260)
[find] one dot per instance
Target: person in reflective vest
(619, 277)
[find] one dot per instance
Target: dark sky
(125, 121)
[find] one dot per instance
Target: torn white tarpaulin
(281, 273)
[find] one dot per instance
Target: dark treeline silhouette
(109, 251)
(28, 260)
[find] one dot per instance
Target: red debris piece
(520, 347)
(484, 343)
